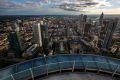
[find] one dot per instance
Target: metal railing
(66, 65)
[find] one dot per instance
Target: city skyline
(32, 47)
(57, 7)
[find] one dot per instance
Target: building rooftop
(78, 76)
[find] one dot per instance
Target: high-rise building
(16, 39)
(84, 18)
(87, 29)
(101, 18)
(99, 24)
(15, 44)
(110, 30)
(41, 36)
(45, 38)
(19, 36)
(37, 35)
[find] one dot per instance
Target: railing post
(97, 67)
(85, 65)
(32, 73)
(12, 77)
(60, 66)
(115, 70)
(32, 63)
(73, 66)
(47, 69)
(16, 68)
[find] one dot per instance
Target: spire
(101, 18)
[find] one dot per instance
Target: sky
(58, 7)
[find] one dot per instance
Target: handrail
(58, 55)
(71, 67)
(59, 61)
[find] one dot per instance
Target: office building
(101, 19)
(31, 51)
(110, 30)
(37, 35)
(40, 31)
(45, 38)
(16, 40)
(15, 44)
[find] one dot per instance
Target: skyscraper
(101, 18)
(41, 36)
(110, 30)
(37, 35)
(19, 35)
(45, 38)
(15, 44)
(15, 40)
(100, 24)
(83, 19)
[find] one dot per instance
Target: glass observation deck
(44, 65)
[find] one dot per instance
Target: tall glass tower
(37, 35)
(110, 30)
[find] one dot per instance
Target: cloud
(18, 5)
(9, 5)
(80, 5)
(32, 5)
(104, 3)
(73, 5)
